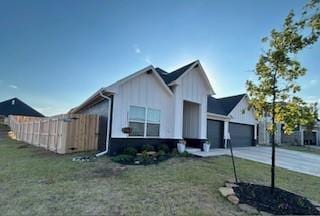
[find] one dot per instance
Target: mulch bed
(281, 202)
(139, 161)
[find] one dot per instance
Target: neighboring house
(153, 106)
(301, 136)
(15, 106)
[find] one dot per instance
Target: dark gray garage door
(215, 133)
(241, 134)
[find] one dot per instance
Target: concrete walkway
(292, 160)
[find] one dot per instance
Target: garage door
(241, 134)
(215, 133)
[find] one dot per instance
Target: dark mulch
(281, 202)
(23, 146)
(125, 160)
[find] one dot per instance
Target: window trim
(145, 122)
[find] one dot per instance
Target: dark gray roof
(223, 106)
(172, 76)
(15, 106)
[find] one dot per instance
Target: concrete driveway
(292, 160)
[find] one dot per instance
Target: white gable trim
(90, 100)
(114, 86)
(204, 75)
(246, 98)
(214, 116)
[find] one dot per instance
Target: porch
(211, 153)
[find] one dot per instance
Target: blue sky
(55, 54)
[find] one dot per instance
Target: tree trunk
(273, 159)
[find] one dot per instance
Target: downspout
(108, 124)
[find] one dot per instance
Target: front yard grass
(36, 182)
(306, 148)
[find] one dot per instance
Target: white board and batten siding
(144, 90)
(240, 114)
(191, 87)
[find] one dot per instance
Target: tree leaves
(275, 93)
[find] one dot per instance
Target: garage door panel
(215, 133)
(241, 134)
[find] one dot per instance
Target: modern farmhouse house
(154, 106)
(301, 136)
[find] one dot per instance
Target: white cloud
(137, 49)
(313, 82)
(13, 86)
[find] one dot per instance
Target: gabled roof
(165, 78)
(223, 106)
(172, 76)
(15, 106)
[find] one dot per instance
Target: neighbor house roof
(15, 106)
(223, 106)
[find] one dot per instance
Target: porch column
(255, 133)
(301, 135)
(225, 133)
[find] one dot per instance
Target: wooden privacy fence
(61, 134)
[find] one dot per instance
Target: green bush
(123, 158)
(161, 153)
(147, 148)
(185, 154)
(145, 156)
(130, 151)
(164, 147)
(174, 152)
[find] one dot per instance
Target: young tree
(275, 92)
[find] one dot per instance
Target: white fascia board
(203, 73)
(214, 116)
(113, 87)
(89, 100)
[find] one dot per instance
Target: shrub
(147, 148)
(130, 151)
(184, 154)
(145, 155)
(123, 158)
(164, 147)
(174, 151)
(161, 153)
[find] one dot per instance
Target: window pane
(137, 129)
(153, 129)
(137, 113)
(153, 115)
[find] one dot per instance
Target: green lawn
(36, 182)
(307, 149)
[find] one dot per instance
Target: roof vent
(13, 102)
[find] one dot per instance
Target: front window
(145, 122)
(137, 117)
(153, 122)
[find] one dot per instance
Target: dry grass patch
(36, 182)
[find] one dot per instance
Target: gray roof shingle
(223, 106)
(172, 76)
(15, 106)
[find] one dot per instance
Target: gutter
(213, 115)
(108, 124)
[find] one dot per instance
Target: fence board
(61, 134)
